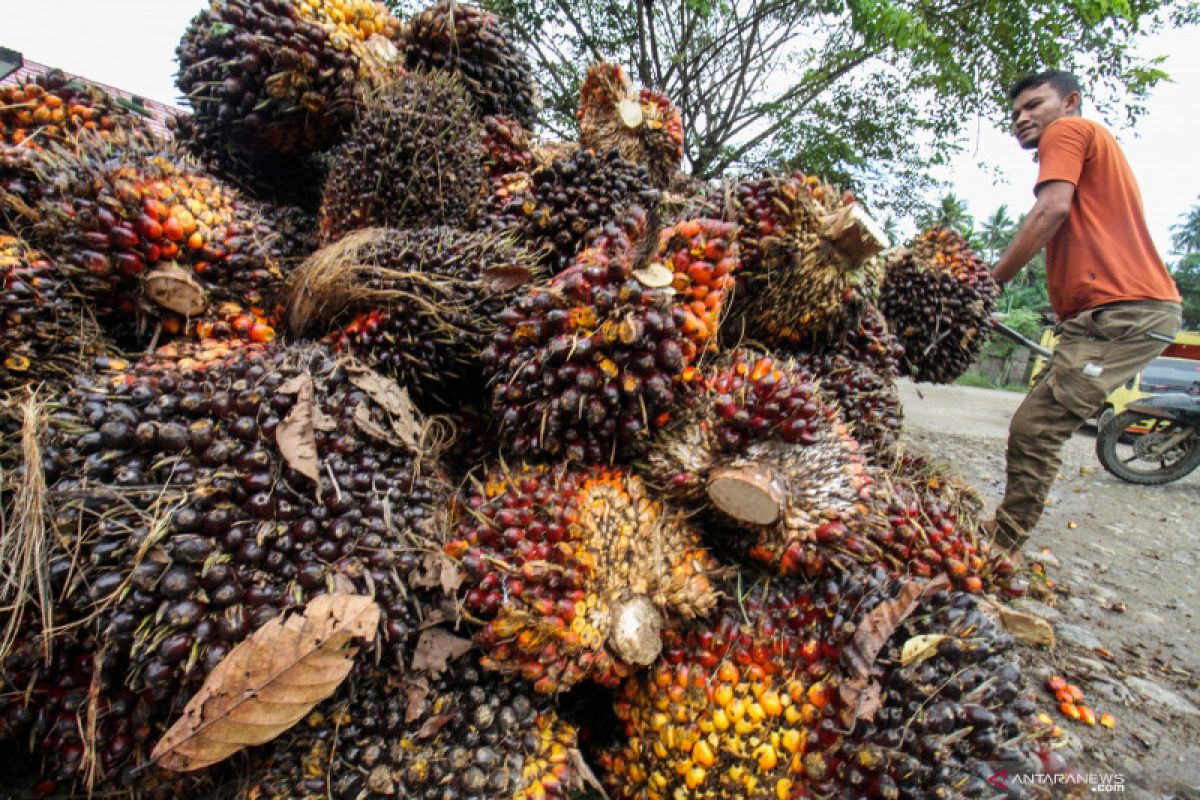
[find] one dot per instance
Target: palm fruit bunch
(141, 229)
(744, 703)
(281, 77)
(938, 298)
(569, 204)
(466, 733)
(507, 148)
(702, 258)
(642, 125)
(186, 514)
(808, 256)
(413, 157)
(46, 331)
(419, 305)
(588, 365)
(859, 368)
(466, 40)
(52, 107)
(573, 572)
(297, 233)
(952, 714)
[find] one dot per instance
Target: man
(1108, 286)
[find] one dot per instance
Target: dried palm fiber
(414, 158)
(187, 510)
(809, 259)
(565, 206)
(641, 125)
(281, 77)
(420, 305)
(859, 369)
(143, 232)
(938, 298)
(51, 107)
(760, 699)
(574, 571)
(762, 451)
(470, 42)
(507, 148)
(588, 365)
(46, 330)
(465, 733)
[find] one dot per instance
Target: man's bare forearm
(1038, 228)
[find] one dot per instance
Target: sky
(131, 44)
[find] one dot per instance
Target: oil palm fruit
(140, 228)
(809, 259)
(419, 305)
(46, 331)
(466, 40)
(281, 77)
(859, 368)
(51, 107)
(567, 205)
(185, 519)
(702, 256)
(413, 158)
(938, 298)
(588, 365)
(744, 703)
(507, 148)
(466, 733)
(574, 571)
(957, 711)
(641, 125)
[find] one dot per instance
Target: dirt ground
(1125, 603)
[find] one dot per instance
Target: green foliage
(868, 92)
(981, 381)
(1185, 238)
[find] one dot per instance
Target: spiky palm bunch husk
(565, 206)
(293, 179)
(574, 570)
(464, 733)
(753, 702)
(588, 365)
(507, 148)
(52, 107)
(466, 40)
(804, 280)
(413, 158)
(182, 522)
(859, 369)
(640, 124)
(280, 77)
(46, 331)
(420, 305)
(142, 230)
(938, 298)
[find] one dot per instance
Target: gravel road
(1126, 597)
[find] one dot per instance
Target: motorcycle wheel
(1125, 455)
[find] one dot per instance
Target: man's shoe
(1003, 540)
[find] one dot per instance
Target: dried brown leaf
(505, 279)
(438, 570)
(433, 725)
(584, 771)
(296, 435)
(394, 399)
(269, 682)
(436, 648)
(416, 692)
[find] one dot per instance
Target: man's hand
(1040, 224)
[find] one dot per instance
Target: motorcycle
(1154, 440)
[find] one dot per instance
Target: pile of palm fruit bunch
(938, 299)
(609, 458)
(51, 107)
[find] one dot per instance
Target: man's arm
(1051, 208)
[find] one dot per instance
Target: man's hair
(1063, 82)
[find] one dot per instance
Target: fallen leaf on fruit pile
(269, 682)
(436, 648)
(920, 648)
(1022, 625)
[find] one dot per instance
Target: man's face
(1036, 108)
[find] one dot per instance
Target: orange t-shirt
(1103, 252)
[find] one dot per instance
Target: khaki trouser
(1098, 350)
